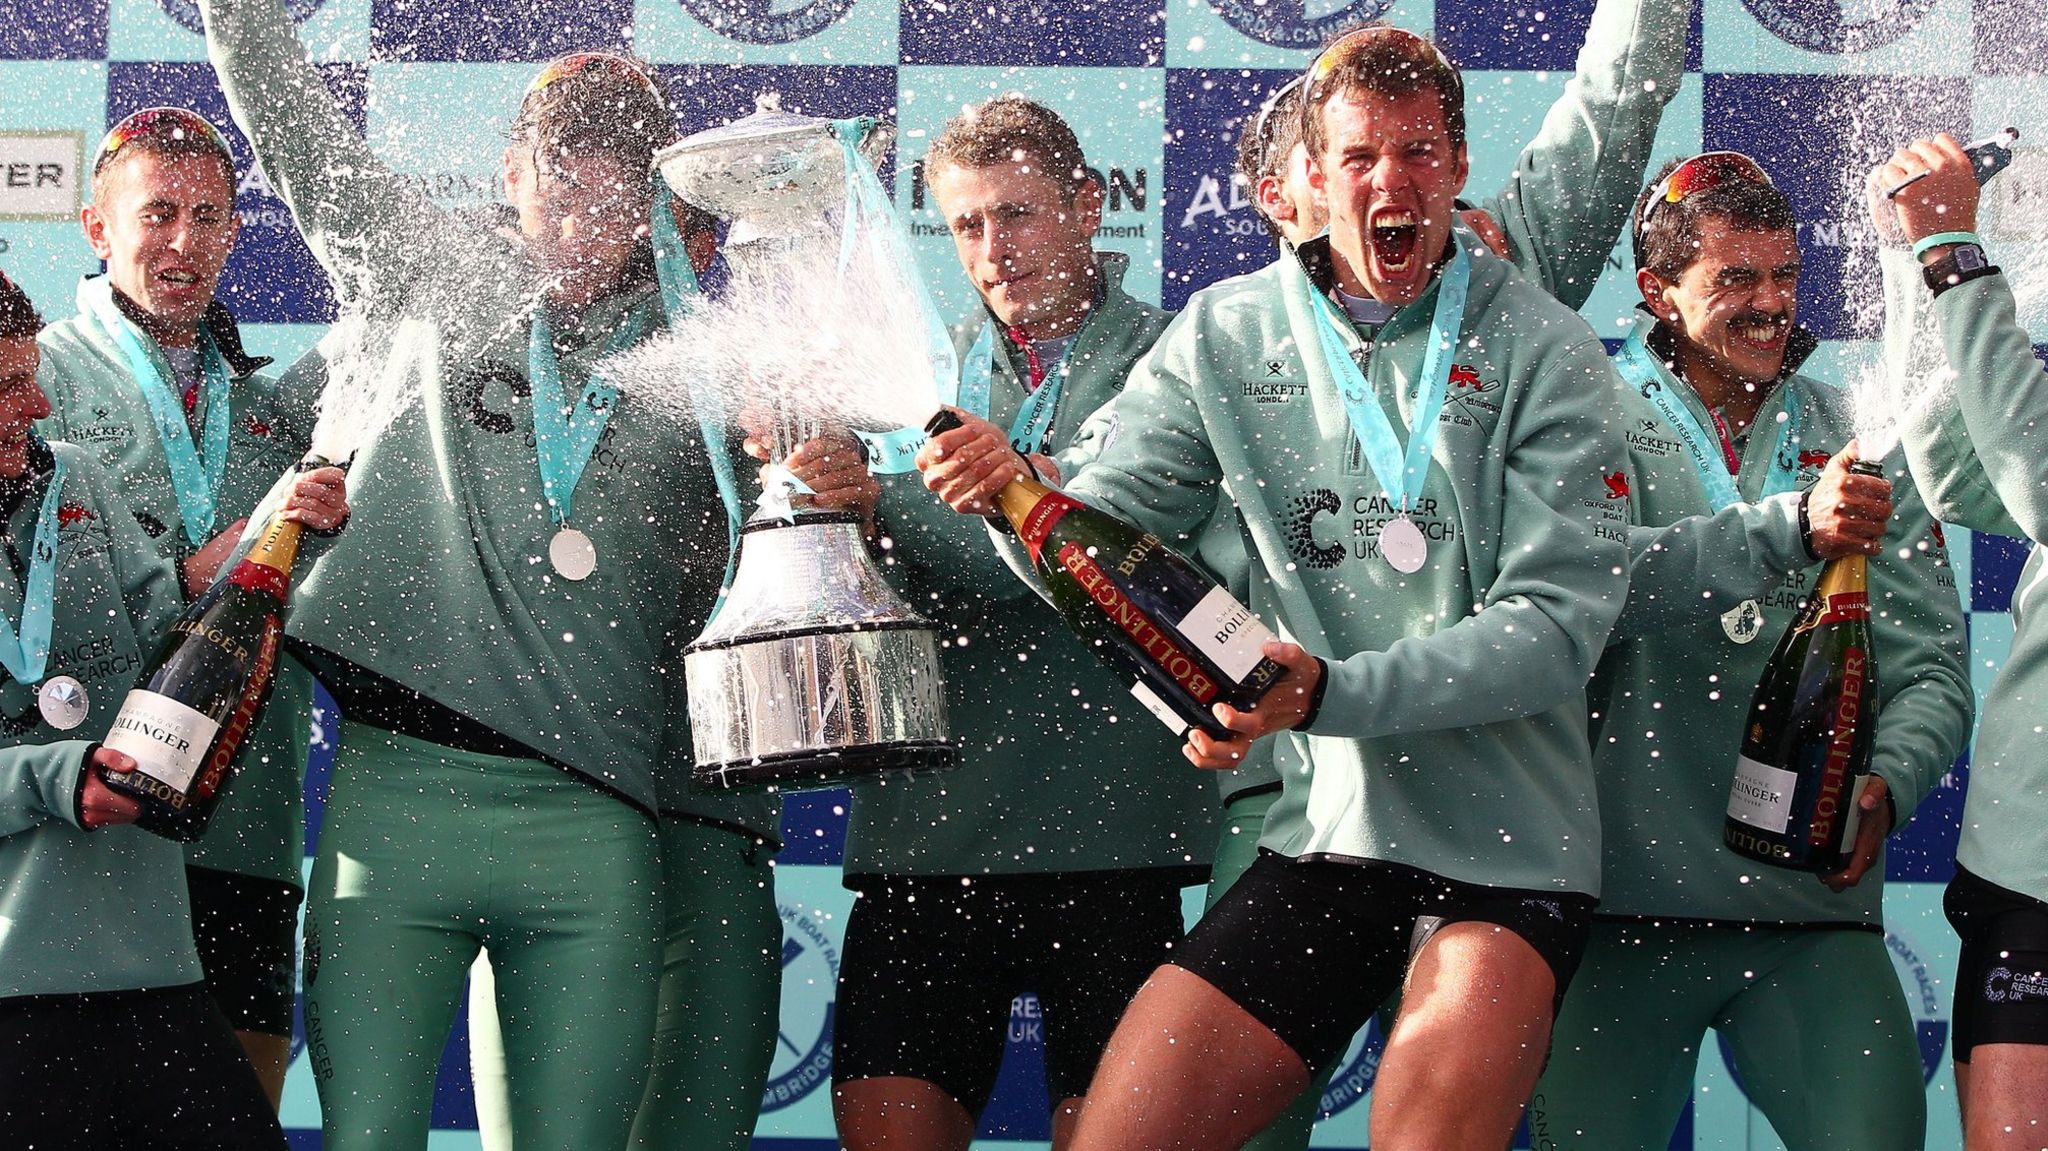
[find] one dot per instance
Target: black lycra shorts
(1312, 947)
(2002, 971)
(245, 928)
(933, 964)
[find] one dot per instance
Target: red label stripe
(1150, 637)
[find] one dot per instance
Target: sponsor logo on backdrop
(810, 975)
(1354, 1078)
(1924, 999)
(1224, 198)
(1304, 24)
(1839, 27)
(767, 21)
(1125, 193)
(41, 174)
(186, 12)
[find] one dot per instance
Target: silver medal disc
(1743, 622)
(63, 702)
(572, 554)
(1402, 545)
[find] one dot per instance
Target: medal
(1744, 622)
(63, 702)
(573, 555)
(1402, 545)
(564, 439)
(1402, 471)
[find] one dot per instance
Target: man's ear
(512, 173)
(1654, 292)
(1266, 194)
(94, 224)
(1088, 205)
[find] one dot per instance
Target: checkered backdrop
(1156, 93)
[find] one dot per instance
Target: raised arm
(1569, 198)
(1927, 706)
(369, 229)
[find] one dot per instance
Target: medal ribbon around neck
(1639, 366)
(1401, 474)
(565, 441)
(25, 652)
(196, 472)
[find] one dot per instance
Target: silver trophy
(814, 672)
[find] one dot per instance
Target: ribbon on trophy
(869, 215)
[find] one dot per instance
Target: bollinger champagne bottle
(1806, 750)
(1185, 641)
(185, 719)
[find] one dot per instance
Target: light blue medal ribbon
(868, 213)
(1401, 474)
(680, 292)
(1639, 366)
(1033, 422)
(565, 440)
(195, 472)
(26, 652)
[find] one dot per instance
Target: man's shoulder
(74, 335)
(1233, 301)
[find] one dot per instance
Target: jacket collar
(218, 321)
(1800, 344)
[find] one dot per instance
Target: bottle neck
(1842, 575)
(268, 566)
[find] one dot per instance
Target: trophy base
(819, 770)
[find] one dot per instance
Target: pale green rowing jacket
(96, 402)
(1981, 460)
(1063, 770)
(1452, 729)
(1673, 691)
(1567, 200)
(441, 583)
(84, 911)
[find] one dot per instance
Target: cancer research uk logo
(186, 12)
(810, 975)
(767, 21)
(1297, 23)
(1839, 27)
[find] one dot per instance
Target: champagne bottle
(1806, 750)
(185, 719)
(1150, 613)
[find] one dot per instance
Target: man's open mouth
(1393, 235)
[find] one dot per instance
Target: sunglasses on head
(1268, 122)
(163, 124)
(1704, 171)
(577, 63)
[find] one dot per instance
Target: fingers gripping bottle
(1146, 610)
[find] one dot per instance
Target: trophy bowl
(814, 673)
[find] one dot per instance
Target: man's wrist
(1946, 266)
